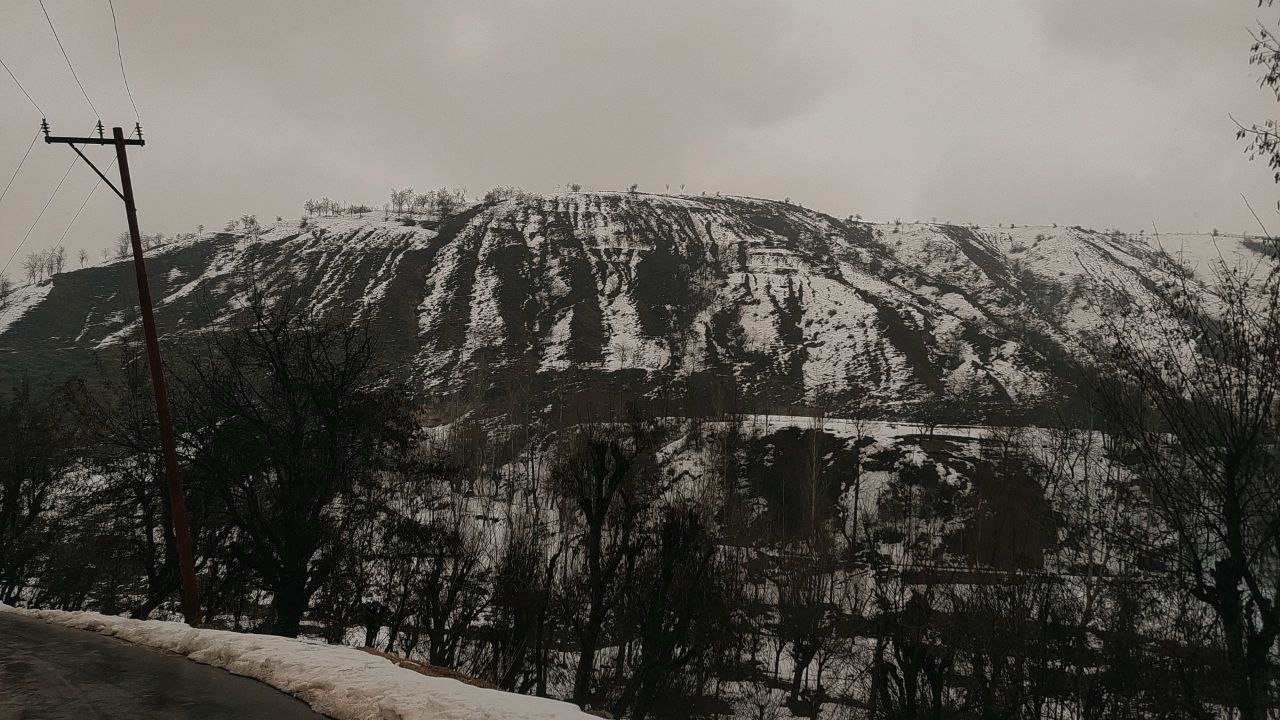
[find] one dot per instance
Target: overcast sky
(1104, 113)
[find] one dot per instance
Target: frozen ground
(338, 681)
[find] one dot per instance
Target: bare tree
(36, 460)
(678, 610)
(401, 200)
(123, 246)
(522, 594)
(448, 201)
(504, 192)
(128, 500)
(249, 224)
(1197, 406)
(428, 562)
(33, 267)
(1264, 137)
(419, 204)
(807, 615)
(292, 415)
(599, 478)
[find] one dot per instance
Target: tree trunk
(590, 637)
(877, 675)
(798, 669)
(586, 661)
(155, 597)
(1249, 674)
(288, 604)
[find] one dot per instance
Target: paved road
(50, 672)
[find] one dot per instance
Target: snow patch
(339, 681)
(20, 301)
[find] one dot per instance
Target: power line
(120, 55)
(68, 59)
(20, 163)
(23, 242)
(37, 220)
(24, 90)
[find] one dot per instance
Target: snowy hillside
(713, 299)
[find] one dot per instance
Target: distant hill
(704, 302)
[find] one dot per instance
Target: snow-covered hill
(712, 300)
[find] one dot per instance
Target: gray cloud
(1092, 112)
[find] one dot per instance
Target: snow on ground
(1203, 251)
(336, 680)
(20, 301)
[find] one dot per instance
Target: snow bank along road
(53, 672)
(338, 681)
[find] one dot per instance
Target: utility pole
(177, 501)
